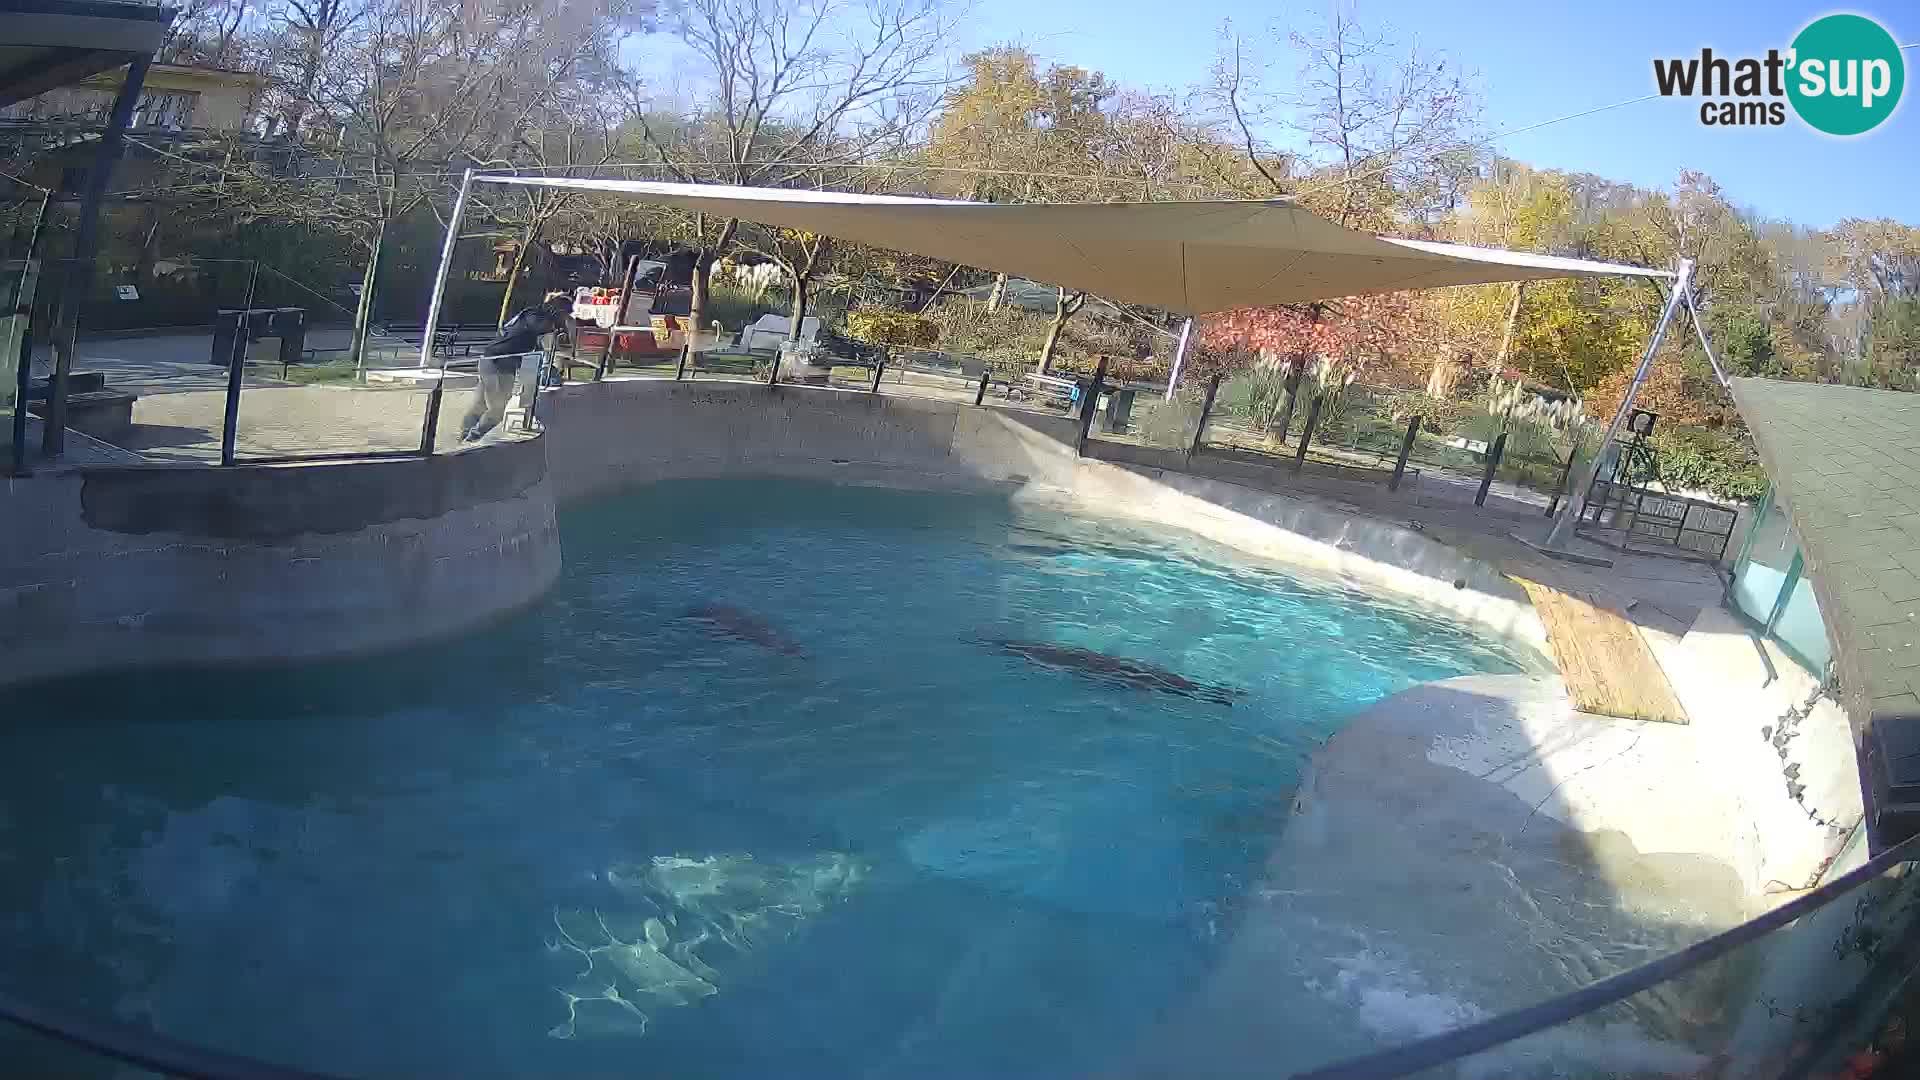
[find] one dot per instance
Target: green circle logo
(1846, 74)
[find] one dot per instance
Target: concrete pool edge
(606, 437)
(111, 568)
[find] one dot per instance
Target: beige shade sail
(1189, 257)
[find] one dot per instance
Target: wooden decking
(1606, 663)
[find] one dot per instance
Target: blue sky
(1540, 59)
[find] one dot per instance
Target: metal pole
(1494, 453)
(1562, 532)
(1179, 357)
(1406, 448)
(23, 296)
(85, 242)
(440, 275)
(619, 316)
(1087, 406)
(980, 395)
(878, 367)
(533, 399)
(1700, 331)
(1206, 410)
(236, 371)
(1566, 474)
(430, 426)
(1306, 434)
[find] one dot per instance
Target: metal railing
(220, 393)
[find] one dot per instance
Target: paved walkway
(1657, 593)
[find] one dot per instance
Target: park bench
(1051, 389)
(92, 408)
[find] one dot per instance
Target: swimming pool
(783, 779)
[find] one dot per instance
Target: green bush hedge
(1702, 459)
(882, 326)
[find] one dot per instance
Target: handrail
(1416, 1057)
(145, 1048)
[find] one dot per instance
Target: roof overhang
(46, 44)
(1843, 460)
(1189, 257)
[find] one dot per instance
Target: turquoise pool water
(783, 780)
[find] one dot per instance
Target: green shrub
(736, 308)
(884, 326)
(1700, 459)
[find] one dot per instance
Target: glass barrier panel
(314, 388)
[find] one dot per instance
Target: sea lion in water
(1133, 673)
(729, 621)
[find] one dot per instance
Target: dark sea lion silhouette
(729, 621)
(1130, 673)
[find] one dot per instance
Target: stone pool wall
(623, 433)
(114, 567)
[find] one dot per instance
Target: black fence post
(980, 395)
(23, 295)
(1293, 396)
(1206, 410)
(1087, 406)
(430, 428)
(680, 365)
(1494, 454)
(86, 250)
(1566, 474)
(879, 368)
(236, 370)
(773, 371)
(1406, 448)
(1306, 434)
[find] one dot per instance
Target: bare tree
(1065, 307)
(1388, 127)
(390, 99)
(795, 87)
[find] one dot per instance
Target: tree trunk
(363, 312)
(1063, 309)
(1513, 320)
(799, 307)
(513, 276)
(697, 302)
(697, 298)
(998, 295)
(1296, 366)
(1444, 375)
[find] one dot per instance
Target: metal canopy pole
(86, 242)
(440, 276)
(1179, 356)
(23, 320)
(1559, 539)
(1700, 331)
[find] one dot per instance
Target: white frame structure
(1207, 248)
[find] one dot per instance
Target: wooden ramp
(1606, 663)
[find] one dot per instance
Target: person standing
(500, 362)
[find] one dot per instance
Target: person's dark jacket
(521, 334)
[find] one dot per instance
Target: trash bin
(287, 324)
(1119, 409)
